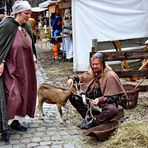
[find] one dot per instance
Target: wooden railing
(129, 52)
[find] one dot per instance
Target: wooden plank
(135, 52)
(64, 5)
(132, 73)
(125, 55)
(94, 45)
(125, 43)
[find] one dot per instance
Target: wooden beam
(64, 5)
(125, 43)
(126, 55)
(132, 73)
(94, 45)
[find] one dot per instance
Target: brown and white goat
(55, 95)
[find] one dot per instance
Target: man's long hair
(100, 57)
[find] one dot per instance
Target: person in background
(102, 85)
(56, 25)
(52, 17)
(67, 35)
(3, 14)
(31, 21)
(18, 84)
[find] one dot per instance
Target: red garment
(20, 77)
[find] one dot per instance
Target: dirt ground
(58, 73)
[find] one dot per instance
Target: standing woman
(18, 83)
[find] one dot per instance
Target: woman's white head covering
(20, 6)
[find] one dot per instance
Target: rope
(89, 116)
(89, 113)
(90, 107)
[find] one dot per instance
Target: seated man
(102, 85)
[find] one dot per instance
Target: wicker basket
(131, 99)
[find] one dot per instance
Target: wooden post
(94, 45)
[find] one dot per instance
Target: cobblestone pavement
(49, 132)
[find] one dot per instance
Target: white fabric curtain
(105, 20)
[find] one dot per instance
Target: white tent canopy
(105, 20)
(38, 9)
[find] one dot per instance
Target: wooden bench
(129, 53)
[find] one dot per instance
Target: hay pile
(130, 134)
